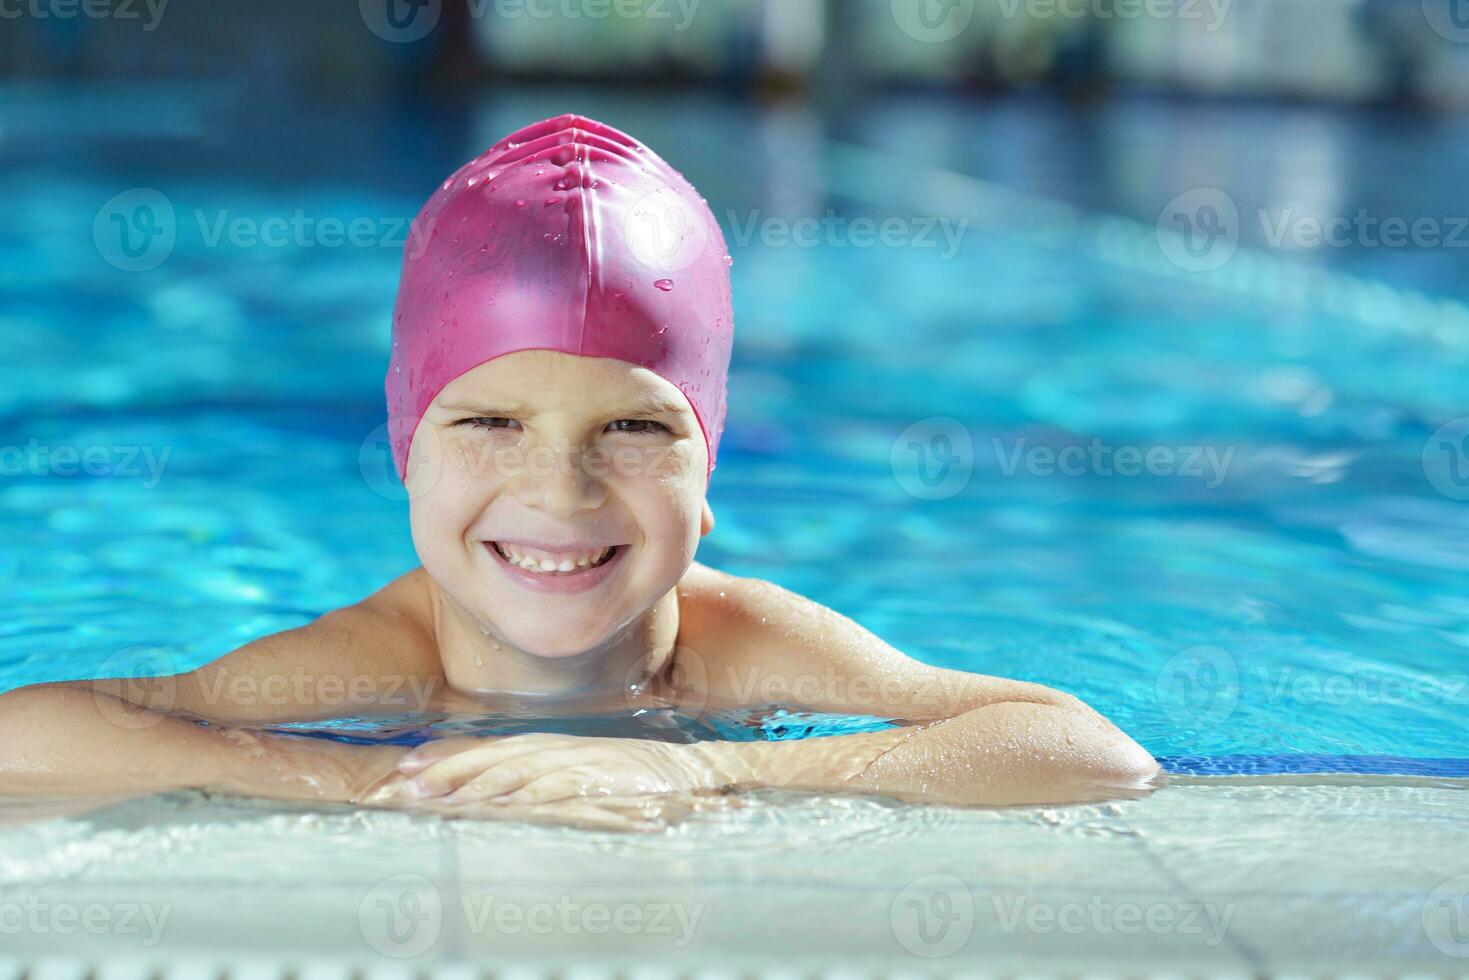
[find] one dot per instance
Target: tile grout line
(1253, 958)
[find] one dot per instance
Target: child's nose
(557, 480)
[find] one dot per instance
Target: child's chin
(563, 644)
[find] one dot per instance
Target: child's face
(547, 459)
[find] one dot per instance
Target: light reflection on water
(772, 723)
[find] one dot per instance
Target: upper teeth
(537, 560)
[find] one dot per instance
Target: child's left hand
(544, 768)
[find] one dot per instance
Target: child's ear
(706, 522)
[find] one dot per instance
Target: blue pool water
(1298, 603)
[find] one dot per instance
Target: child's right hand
(624, 814)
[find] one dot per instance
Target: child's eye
(483, 422)
(636, 425)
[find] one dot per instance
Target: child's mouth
(553, 564)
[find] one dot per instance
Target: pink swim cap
(567, 236)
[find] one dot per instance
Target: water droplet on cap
(664, 284)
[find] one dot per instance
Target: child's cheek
(667, 497)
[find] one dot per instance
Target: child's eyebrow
(483, 408)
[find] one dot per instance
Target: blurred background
(962, 229)
(1357, 52)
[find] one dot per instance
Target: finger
(585, 815)
(563, 784)
(425, 755)
(496, 780)
(592, 816)
(429, 753)
(450, 774)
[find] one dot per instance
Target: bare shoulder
(377, 654)
(404, 609)
(705, 591)
(734, 618)
(391, 632)
(750, 634)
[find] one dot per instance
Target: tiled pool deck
(1211, 876)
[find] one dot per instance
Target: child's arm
(95, 737)
(64, 741)
(59, 743)
(968, 738)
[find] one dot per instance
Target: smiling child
(556, 398)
